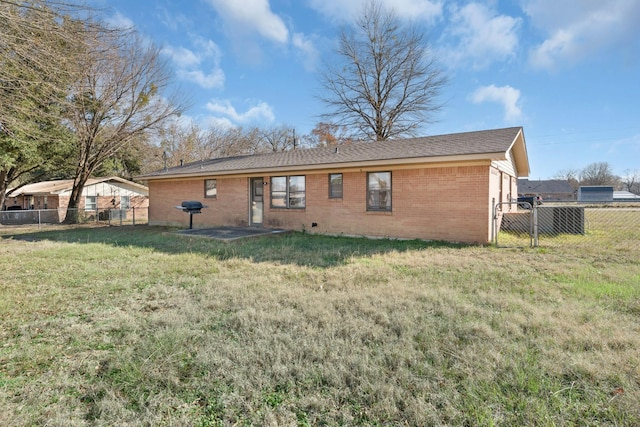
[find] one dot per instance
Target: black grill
(191, 207)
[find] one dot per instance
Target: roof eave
(337, 165)
(521, 158)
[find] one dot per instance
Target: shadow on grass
(288, 248)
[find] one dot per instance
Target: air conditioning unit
(561, 219)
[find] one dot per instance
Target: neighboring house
(98, 194)
(433, 188)
(595, 193)
(549, 190)
(625, 196)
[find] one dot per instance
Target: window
(210, 188)
(335, 186)
(288, 192)
(379, 191)
(90, 203)
(125, 202)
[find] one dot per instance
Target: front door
(257, 201)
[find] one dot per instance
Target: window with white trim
(90, 203)
(379, 191)
(335, 186)
(288, 192)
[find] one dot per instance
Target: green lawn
(138, 326)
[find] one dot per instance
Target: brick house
(98, 194)
(432, 188)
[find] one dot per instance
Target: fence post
(133, 214)
(494, 223)
(535, 223)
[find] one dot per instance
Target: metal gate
(515, 224)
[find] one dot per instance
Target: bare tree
(386, 82)
(631, 181)
(218, 142)
(571, 175)
(280, 138)
(598, 173)
(237, 142)
(181, 143)
(118, 98)
(328, 134)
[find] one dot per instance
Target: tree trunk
(72, 216)
(4, 183)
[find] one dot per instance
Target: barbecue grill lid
(192, 205)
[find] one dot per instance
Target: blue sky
(567, 71)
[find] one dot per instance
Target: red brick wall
(445, 203)
(230, 207)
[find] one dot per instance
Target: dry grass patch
(134, 326)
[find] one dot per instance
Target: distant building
(98, 193)
(549, 189)
(625, 196)
(595, 193)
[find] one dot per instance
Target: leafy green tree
(129, 161)
(38, 44)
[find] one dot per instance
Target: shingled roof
(44, 188)
(487, 144)
(548, 186)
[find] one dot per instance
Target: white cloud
(170, 19)
(505, 95)
(477, 34)
(261, 112)
(248, 22)
(426, 10)
(577, 28)
(215, 79)
(218, 123)
(308, 50)
(181, 56)
(247, 16)
(343, 11)
(191, 64)
(208, 47)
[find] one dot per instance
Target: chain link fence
(132, 216)
(610, 225)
